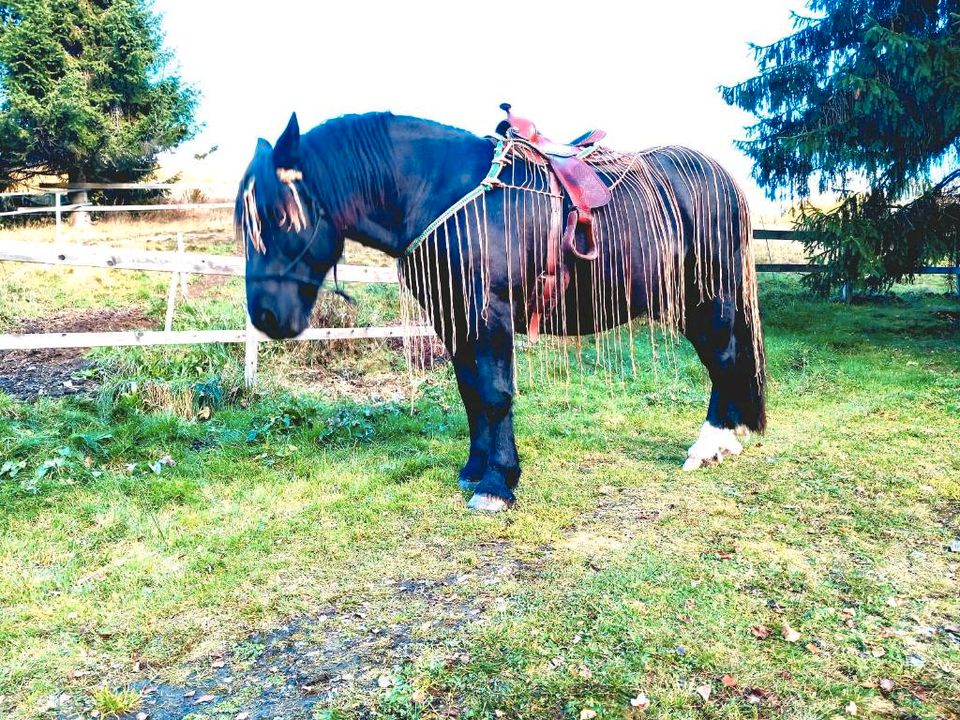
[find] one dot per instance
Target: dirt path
(350, 653)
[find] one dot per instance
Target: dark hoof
(488, 503)
(468, 485)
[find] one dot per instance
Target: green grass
(113, 703)
(634, 576)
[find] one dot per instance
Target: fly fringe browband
(291, 216)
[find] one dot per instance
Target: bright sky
(645, 72)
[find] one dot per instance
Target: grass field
(174, 544)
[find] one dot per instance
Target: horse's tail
(750, 353)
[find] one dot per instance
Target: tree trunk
(78, 218)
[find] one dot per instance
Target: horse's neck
(432, 166)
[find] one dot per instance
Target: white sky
(645, 72)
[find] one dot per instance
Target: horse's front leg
(465, 367)
(493, 353)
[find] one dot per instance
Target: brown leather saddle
(586, 192)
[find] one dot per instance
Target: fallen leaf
(384, 681)
(190, 693)
(419, 697)
(142, 716)
(587, 714)
(205, 699)
(242, 716)
(851, 708)
(704, 692)
(789, 634)
(761, 632)
(755, 696)
(878, 652)
(814, 648)
(641, 702)
(217, 664)
(729, 681)
(886, 685)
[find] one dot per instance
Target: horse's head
(289, 241)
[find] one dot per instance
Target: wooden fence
(181, 264)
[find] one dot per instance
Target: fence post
(171, 301)
(846, 292)
(250, 354)
(956, 271)
(183, 275)
(56, 232)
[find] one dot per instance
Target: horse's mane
(348, 158)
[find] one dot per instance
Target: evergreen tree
(86, 91)
(862, 101)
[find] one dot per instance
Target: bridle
(288, 274)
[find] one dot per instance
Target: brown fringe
(644, 197)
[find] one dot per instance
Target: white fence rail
(179, 264)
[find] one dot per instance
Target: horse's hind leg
(723, 342)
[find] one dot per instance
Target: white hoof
(713, 445)
(487, 503)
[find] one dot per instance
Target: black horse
(475, 223)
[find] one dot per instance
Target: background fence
(181, 264)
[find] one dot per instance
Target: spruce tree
(87, 91)
(862, 102)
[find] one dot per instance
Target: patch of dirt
(426, 353)
(952, 315)
(200, 285)
(348, 650)
(29, 374)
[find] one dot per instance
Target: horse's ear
(263, 146)
(287, 152)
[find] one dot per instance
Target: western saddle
(586, 192)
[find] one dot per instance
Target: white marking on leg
(713, 445)
(487, 503)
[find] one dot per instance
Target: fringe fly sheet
(654, 191)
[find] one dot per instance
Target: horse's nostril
(267, 322)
